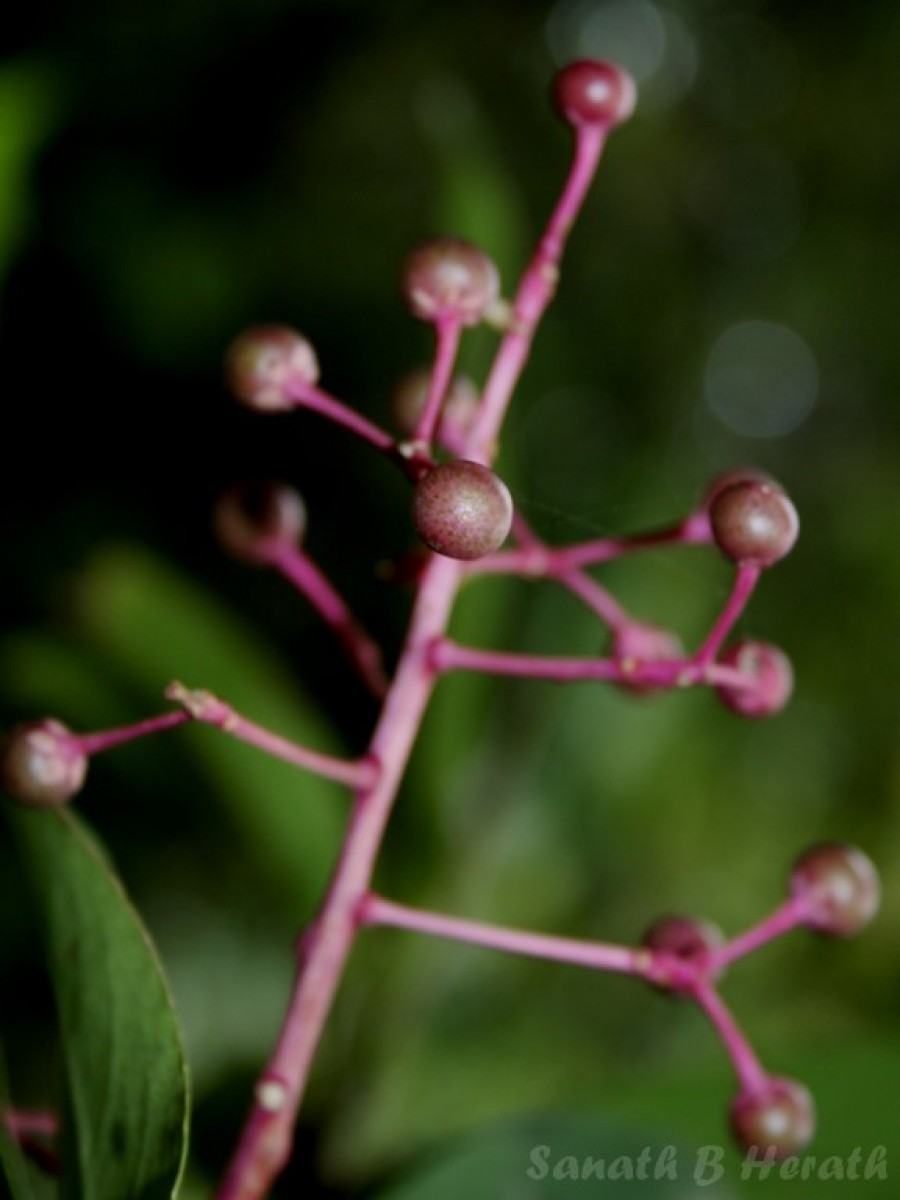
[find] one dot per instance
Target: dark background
(172, 171)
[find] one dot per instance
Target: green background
(172, 171)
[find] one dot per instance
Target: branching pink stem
(96, 743)
(375, 910)
(447, 332)
(362, 651)
(747, 1067)
(745, 581)
(202, 706)
(785, 918)
(666, 673)
(264, 1146)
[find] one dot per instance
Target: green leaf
(126, 1074)
(560, 1157)
(13, 1169)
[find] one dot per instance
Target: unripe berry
(737, 475)
(42, 764)
(839, 886)
(775, 1120)
(685, 938)
(753, 522)
(449, 278)
(462, 509)
(594, 93)
(250, 517)
(770, 679)
(262, 362)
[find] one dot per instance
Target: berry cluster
(463, 513)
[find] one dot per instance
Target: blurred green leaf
(27, 110)
(12, 1163)
(127, 1080)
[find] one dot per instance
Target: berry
(753, 522)
(594, 93)
(250, 517)
(42, 764)
(447, 278)
(770, 674)
(462, 509)
(775, 1120)
(729, 478)
(840, 888)
(263, 362)
(689, 940)
(644, 643)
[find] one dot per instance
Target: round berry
(839, 886)
(770, 679)
(42, 764)
(635, 643)
(685, 938)
(249, 518)
(594, 93)
(462, 509)
(753, 522)
(775, 1120)
(729, 478)
(263, 362)
(447, 278)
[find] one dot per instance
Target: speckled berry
(594, 93)
(250, 518)
(263, 362)
(448, 278)
(42, 764)
(462, 509)
(839, 887)
(753, 522)
(769, 674)
(775, 1120)
(737, 475)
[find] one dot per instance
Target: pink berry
(594, 93)
(42, 764)
(737, 475)
(449, 278)
(775, 1120)
(839, 886)
(753, 522)
(462, 509)
(770, 679)
(635, 643)
(262, 363)
(249, 518)
(684, 938)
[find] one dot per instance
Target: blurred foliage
(171, 170)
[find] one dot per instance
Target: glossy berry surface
(42, 764)
(462, 509)
(449, 279)
(594, 93)
(249, 518)
(839, 886)
(775, 1120)
(754, 522)
(770, 679)
(263, 362)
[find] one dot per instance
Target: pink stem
(602, 956)
(597, 598)
(96, 743)
(264, 1146)
(784, 919)
(747, 1067)
(204, 707)
(669, 673)
(534, 294)
(21, 1123)
(745, 581)
(306, 395)
(364, 653)
(447, 331)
